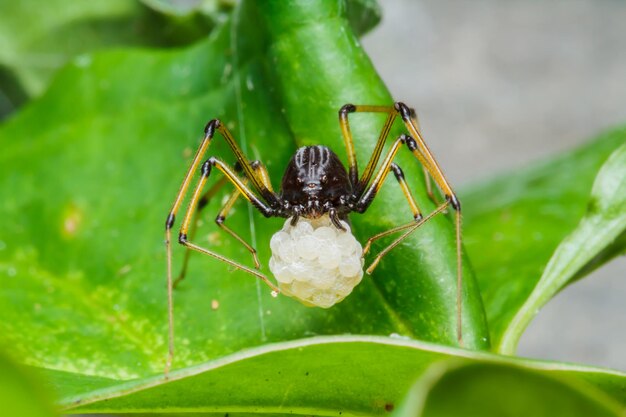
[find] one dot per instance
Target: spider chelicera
(315, 183)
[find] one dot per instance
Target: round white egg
(315, 262)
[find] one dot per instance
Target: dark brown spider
(315, 183)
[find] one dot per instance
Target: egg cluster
(315, 262)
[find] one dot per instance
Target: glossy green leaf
(362, 15)
(343, 375)
(515, 222)
(419, 282)
(21, 394)
(90, 170)
(37, 38)
(598, 230)
(455, 388)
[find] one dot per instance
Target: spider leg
(367, 196)
(429, 186)
(258, 183)
(353, 169)
(411, 226)
(202, 203)
(392, 111)
(420, 150)
(417, 213)
(221, 216)
(242, 189)
(427, 178)
(223, 213)
(261, 170)
(360, 184)
(423, 154)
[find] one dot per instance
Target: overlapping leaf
(21, 394)
(458, 388)
(595, 240)
(353, 375)
(515, 222)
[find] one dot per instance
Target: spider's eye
(324, 178)
(300, 181)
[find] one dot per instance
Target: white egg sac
(315, 262)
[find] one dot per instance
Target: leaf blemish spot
(124, 270)
(72, 220)
(83, 61)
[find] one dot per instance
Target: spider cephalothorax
(315, 183)
(317, 194)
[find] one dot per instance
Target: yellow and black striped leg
(370, 193)
(419, 149)
(202, 203)
(258, 183)
(367, 196)
(417, 213)
(427, 179)
(353, 168)
(411, 228)
(360, 184)
(241, 188)
(254, 171)
(221, 218)
(261, 171)
(422, 153)
(223, 213)
(429, 188)
(209, 131)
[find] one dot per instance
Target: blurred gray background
(498, 84)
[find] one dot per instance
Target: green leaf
(418, 282)
(21, 393)
(56, 32)
(89, 172)
(454, 388)
(597, 232)
(343, 375)
(39, 37)
(178, 8)
(363, 15)
(515, 222)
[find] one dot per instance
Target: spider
(315, 183)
